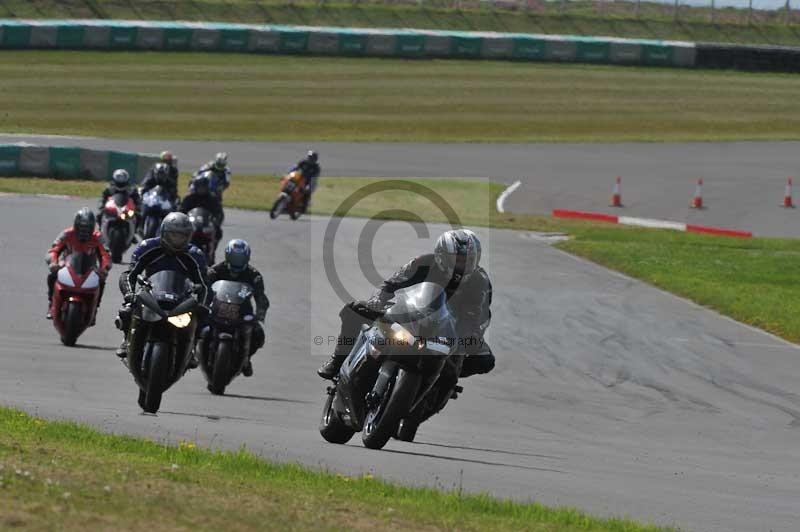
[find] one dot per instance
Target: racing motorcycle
(119, 224)
(75, 296)
(290, 199)
(204, 232)
(393, 371)
(223, 347)
(161, 337)
(155, 206)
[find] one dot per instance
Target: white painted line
(505, 194)
(652, 224)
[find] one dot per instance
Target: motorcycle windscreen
(231, 292)
(81, 263)
(423, 310)
(120, 199)
(170, 287)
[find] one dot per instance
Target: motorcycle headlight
(181, 320)
(401, 335)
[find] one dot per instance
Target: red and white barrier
(650, 223)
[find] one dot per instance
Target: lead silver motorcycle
(390, 381)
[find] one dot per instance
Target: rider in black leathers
(120, 182)
(161, 174)
(310, 168)
(201, 197)
(236, 267)
(454, 266)
(169, 251)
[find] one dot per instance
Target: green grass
(656, 21)
(66, 476)
(144, 95)
(754, 281)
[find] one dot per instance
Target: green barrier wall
(150, 35)
(63, 162)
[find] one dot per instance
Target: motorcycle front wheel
(221, 374)
(157, 373)
(278, 207)
(73, 322)
(382, 419)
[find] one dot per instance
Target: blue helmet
(237, 255)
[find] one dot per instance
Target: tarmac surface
(609, 395)
(744, 181)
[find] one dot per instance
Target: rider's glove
(54, 267)
(376, 303)
(127, 299)
(261, 317)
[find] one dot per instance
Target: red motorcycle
(77, 290)
(204, 232)
(119, 224)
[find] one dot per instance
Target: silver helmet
(121, 178)
(458, 253)
(176, 231)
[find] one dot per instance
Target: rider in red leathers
(82, 237)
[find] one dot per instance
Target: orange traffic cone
(697, 200)
(616, 194)
(787, 195)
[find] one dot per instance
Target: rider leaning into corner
(454, 265)
(236, 267)
(310, 168)
(219, 172)
(82, 237)
(171, 251)
(120, 182)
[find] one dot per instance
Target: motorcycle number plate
(227, 311)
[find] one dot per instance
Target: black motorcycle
(393, 371)
(223, 347)
(155, 206)
(162, 335)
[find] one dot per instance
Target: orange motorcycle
(290, 200)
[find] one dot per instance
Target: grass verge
(251, 97)
(754, 281)
(56, 475)
(624, 19)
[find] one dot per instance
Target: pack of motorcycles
(400, 371)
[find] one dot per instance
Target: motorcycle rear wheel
(407, 430)
(72, 324)
(331, 426)
(382, 420)
(158, 368)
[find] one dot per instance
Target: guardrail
(404, 43)
(63, 162)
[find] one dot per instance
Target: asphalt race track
(744, 181)
(609, 395)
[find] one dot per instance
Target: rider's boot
(331, 368)
(122, 350)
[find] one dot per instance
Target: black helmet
(312, 156)
(237, 255)
(121, 179)
(161, 172)
(201, 184)
(458, 253)
(176, 231)
(221, 161)
(83, 225)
